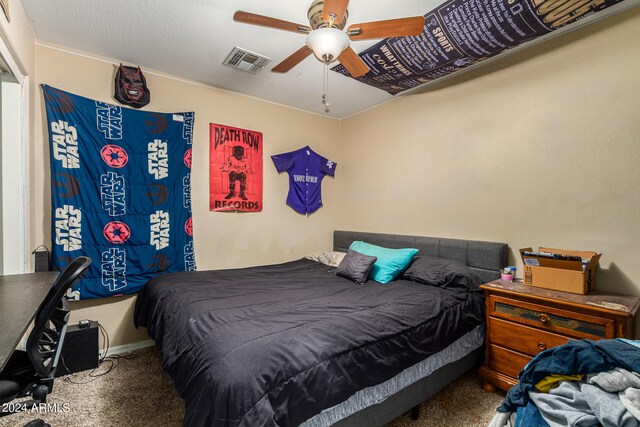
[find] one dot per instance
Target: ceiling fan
(325, 37)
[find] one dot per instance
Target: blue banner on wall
(460, 33)
(120, 192)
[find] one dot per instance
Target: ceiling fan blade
(292, 60)
(390, 28)
(352, 62)
(265, 21)
(336, 7)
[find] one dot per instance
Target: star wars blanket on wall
(120, 192)
(461, 33)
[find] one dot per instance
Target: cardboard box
(562, 271)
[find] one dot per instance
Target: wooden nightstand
(524, 320)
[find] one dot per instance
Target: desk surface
(20, 297)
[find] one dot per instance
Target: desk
(20, 298)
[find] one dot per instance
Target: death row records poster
(460, 33)
(235, 169)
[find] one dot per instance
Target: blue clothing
(575, 357)
(306, 170)
(635, 343)
(529, 416)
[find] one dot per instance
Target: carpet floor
(137, 393)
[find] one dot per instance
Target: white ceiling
(191, 38)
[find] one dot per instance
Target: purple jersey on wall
(306, 170)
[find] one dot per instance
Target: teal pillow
(390, 263)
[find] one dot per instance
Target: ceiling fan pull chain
(325, 88)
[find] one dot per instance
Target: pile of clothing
(581, 383)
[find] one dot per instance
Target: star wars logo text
(158, 159)
(159, 229)
(112, 193)
(68, 228)
(114, 269)
(189, 257)
(109, 120)
(186, 192)
(305, 178)
(187, 127)
(65, 144)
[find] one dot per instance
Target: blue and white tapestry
(120, 192)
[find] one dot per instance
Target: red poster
(235, 169)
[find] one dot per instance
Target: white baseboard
(129, 347)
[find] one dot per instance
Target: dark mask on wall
(131, 87)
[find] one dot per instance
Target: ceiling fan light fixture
(327, 43)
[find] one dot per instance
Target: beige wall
(541, 148)
(221, 239)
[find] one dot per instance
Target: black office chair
(31, 372)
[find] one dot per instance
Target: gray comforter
(275, 345)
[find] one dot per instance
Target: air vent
(244, 60)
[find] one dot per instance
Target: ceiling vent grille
(245, 60)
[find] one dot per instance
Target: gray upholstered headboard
(485, 258)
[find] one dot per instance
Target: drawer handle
(542, 346)
(543, 317)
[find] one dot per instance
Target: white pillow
(330, 258)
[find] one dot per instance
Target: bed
(292, 344)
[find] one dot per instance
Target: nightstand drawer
(522, 338)
(573, 324)
(507, 361)
(522, 320)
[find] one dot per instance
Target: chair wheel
(40, 393)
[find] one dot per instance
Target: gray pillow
(356, 266)
(441, 272)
